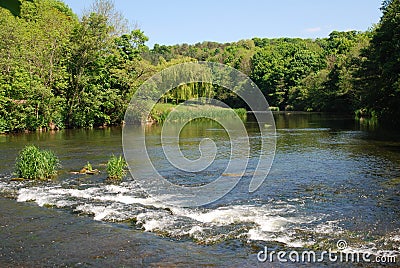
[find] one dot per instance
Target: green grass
(242, 113)
(161, 111)
(116, 168)
(35, 164)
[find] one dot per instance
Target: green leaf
(14, 6)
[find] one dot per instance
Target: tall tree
(115, 19)
(379, 77)
(278, 68)
(90, 42)
(32, 62)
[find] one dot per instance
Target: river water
(331, 180)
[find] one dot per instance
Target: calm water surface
(331, 179)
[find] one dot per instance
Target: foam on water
(257, 234)
(395, 238)
(277, 221)
(328, 227)
(122, 202)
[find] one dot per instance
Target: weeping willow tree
(191, 91)
(200, 87)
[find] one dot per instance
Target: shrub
(242, 113)
(3, 126)
(33, 163)
(116, 168)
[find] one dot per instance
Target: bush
(242, 113)
(116, 168)
(33, 163)
(3, 126)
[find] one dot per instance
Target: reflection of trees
(342, 136)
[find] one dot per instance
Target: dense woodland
(58, 70)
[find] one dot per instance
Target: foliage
(58, 71)
(161, 111)
(379, 75)
(116, 168)
(279, 69)
(14, 6)
(33, 163)
(88, 166)
(293, 73)
(32, 54)
(242, 113)
(3, 126)
(274, 109)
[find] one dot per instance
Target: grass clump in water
(116, 168)
(35, 164)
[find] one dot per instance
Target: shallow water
(331, 179)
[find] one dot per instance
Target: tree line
(58, 70)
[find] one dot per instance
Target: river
(332, 179)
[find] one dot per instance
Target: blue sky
(177, 21)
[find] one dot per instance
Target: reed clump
(35, 164)
(116, 168)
